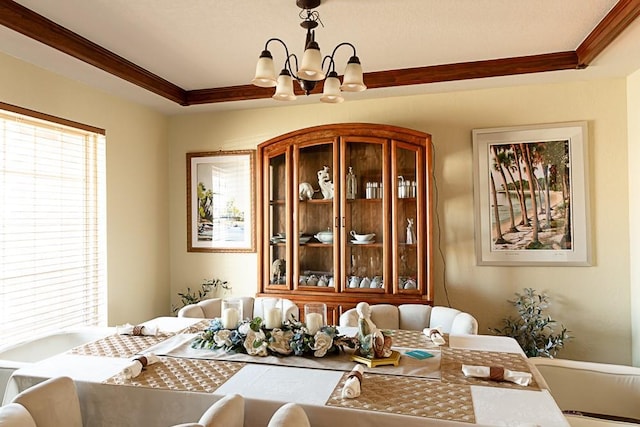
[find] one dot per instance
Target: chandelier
(312, 66)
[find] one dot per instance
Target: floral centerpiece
(253, 338)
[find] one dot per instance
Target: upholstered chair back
(226, 412)
(52, 403)
(251, 307)
(288, 308)
(15, 415)
(416, 317)
(602, 389)
(205, 309)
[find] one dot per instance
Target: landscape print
(530, 196)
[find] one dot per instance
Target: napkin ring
(496, 373)
(137, 330)
(143, 360)
(356, 374)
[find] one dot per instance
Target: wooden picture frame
(557, 155)
(221, 202)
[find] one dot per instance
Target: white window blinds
(52, 227)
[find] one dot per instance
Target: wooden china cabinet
(391, 198)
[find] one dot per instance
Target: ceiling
(168, 53)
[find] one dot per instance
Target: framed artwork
(220, 201)
(531, 195)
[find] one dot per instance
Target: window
(52, 225)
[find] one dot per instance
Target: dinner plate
(358, 242)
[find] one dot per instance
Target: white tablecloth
(265, 388)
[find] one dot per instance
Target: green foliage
(207, 286)
(533, 330)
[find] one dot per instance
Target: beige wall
(633, 112)
(137, 201)
(593, 302)
(148, 262)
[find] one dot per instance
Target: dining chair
(251, 307)
(52, 403)
(592, 393)
(15, 415)
(289, 415)
(416, 317)
(226, 412)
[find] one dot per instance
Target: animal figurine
(305, 191)
(278, 269)
(325, 183)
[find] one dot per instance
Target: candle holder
(231, 313)
(315, 317)
(272, 312)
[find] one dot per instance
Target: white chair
(251, 307)
(592, 393)
(52, 403)
(226, 412)
(289, 415)
(15, 415)
(416, 317)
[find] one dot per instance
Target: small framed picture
(220, 201)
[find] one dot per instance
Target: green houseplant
(207, 286)
(533, 329)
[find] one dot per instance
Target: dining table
(426, 388)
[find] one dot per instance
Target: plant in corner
(207, 286)
(533, 330)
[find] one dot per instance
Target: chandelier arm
(287, 62)
(343, 44)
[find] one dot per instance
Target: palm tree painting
(530, 195)
(220, 201)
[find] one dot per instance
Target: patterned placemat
(453, 358)
(119, 345)
(182, 374)
(409, 396)
(414, 339)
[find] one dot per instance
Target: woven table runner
(182, 374)
(196, 327)
(409, 396)
(116, 345)
(453, 359)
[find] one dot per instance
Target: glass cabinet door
(408, 219)
(276, 223)
(315, 215)
(364, 230)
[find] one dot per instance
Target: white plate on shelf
(359, 242)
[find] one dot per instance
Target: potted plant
(207, 286)
(533, 329)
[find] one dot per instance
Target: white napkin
(351, 387)
(136, 365)
(435, 335)
(129, 329)
(498, 374)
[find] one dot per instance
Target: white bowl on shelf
(362, 237)
(325, 236)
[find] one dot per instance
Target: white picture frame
(558, 155)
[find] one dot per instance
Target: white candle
(230, 318)
(314, 322)
(273, 318)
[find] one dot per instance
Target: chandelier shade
(312, 66)
(331, 92)
(284, 88)
(265, 71)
